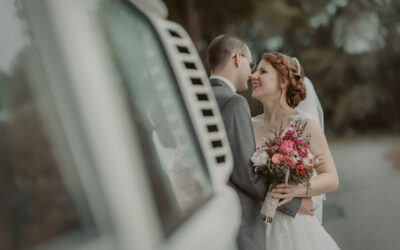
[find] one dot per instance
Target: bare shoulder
(313, 127)
(313, 124)
(318, 139)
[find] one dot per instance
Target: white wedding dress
(303, 232)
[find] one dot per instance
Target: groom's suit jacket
(250, 187)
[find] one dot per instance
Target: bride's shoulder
(312, 126)
(314, 129)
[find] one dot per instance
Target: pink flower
(287, 147)
(277, 158)
(289, 161)
(294, 159)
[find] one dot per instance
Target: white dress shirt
(229, 83)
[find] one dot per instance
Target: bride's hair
(289, 69)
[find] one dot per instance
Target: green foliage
(349, 49)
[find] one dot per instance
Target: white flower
(308, 161)
(260, 157)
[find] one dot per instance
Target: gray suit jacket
(250, 187)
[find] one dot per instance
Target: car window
(43, 202)
(175, 163)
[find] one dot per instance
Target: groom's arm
(291, 208)
(239, 129)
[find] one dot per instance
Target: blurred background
(349, 49)
(351, 52)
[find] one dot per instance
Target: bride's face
(265, 81)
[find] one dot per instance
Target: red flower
(288, 135)
(301, 153)
(300, 166)
(271, 150)
(300, 170)
(297, 141)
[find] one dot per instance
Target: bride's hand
(286, 192)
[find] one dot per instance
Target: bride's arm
(327, 179)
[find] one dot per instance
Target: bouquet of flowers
(285, 158)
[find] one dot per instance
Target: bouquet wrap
(269, 206)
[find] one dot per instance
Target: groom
(231, 62)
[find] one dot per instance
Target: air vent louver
(197, 93)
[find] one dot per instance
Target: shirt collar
(221, 78)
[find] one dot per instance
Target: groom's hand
(307, 206)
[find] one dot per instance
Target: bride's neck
(275, 110)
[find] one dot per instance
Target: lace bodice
(301, 115)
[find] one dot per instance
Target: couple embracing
(278, 83)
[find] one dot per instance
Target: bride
(278, 84)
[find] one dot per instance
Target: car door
(132, 118)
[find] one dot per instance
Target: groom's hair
(222, 48)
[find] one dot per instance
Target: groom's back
(236, 116)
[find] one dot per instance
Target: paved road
(364, 213)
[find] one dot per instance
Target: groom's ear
(236, 59)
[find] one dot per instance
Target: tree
(349, 49)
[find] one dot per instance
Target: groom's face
(245, 65)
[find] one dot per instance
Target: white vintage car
(110, 136)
